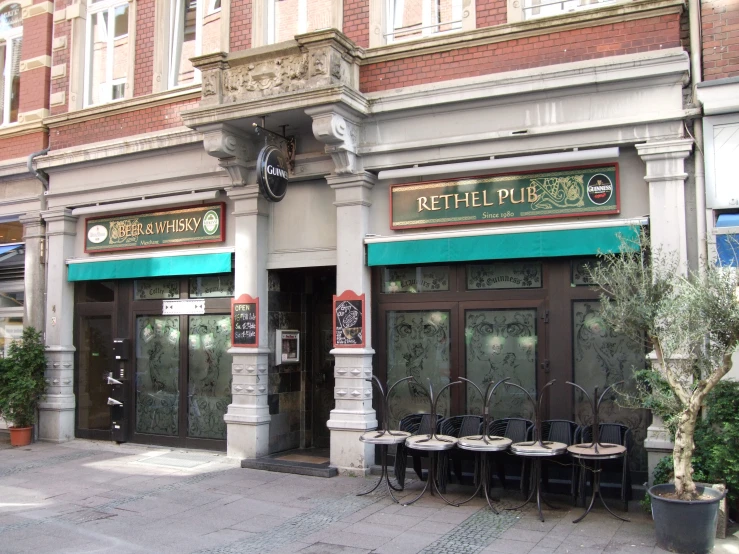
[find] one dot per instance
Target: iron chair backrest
(419, 424)
(461, 426)
(614, 433)
(515, 428)
(559, 430)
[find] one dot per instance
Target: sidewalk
(88, 496)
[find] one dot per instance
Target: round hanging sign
(272, 173)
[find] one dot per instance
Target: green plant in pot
(22, 383)
(691, 323)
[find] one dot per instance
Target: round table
(483, 445)
(433, 444)
(596, 452)
(383, 439)
(537, 451)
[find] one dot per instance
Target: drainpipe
(38, 173)
(696, 76)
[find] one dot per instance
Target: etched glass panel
(418, 346)
(209, 380)
(415, 279)
(499, 344)
(505, 275)
(580, 273)
(212, 286)
(603, 357)
(96, 339)
(156, 289)
(157, 374)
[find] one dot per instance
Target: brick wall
(356, 21)
(240, 38)
(144, 62)
(34, 84)
(21, 146)
(569, 46)
(145, 120)
(720, 22)
(489, 13)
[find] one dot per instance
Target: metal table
(483, 445)
(433, 444)
(596, 452)
(536, 451)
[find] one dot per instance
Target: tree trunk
(683, 453)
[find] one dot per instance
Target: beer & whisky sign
(513, 197)
(194, 225)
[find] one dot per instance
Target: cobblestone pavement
(89, 496)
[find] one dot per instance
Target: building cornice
(605, 15)
(123, 106)
(19, 129)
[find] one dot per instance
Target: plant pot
(20, 436)
(687, 527)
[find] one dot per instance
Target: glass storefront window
(212, 286)
(156, 289)
(579, 270)
(418, 345)
(12, 299)
(11, 328)
(95, 291)
(413, 279)
(504, 275)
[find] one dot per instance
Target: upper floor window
(545, 8)
(11, 38)
(287, 18)
(409, 19)
(107, 51)
(195, 29)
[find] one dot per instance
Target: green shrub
(22, 379)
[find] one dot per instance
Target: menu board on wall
(245, 321)
(349, 323)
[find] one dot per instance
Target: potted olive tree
(21, 385)
(691, 323)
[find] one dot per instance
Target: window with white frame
(287, 18)
(410, 19)
(194, 29)
(546, 8)
(107, 51)
(11, 38)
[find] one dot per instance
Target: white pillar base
(350, 456)
(657, 444)
(56, 418)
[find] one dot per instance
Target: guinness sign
(272, 173)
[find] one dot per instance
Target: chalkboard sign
(245, 321)
(349, 329)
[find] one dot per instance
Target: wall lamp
(520, 162)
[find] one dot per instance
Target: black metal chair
(612, 471)
(457, 426)
(564, 431)
(415, 424)
(518, 430)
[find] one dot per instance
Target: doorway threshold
(310, 461)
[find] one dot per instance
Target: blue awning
(727, 242)
(9, 248)
(164, 266)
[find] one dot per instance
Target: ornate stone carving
(233, 150)
(340, 135)
(210, 83)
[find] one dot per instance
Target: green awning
(540, 244)
(195, 264)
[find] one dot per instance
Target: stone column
(666, 177)
(247, 418)
(353, 413)
(56, 411)
(34, 230)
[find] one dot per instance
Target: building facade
(454, 166)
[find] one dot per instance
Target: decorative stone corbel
(235, 152)
(338, 128)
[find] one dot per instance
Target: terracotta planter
(20, 436)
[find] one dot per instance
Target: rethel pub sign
(585, 190)
(152, 229)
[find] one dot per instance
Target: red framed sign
(245, 321)
(349, 321)
(562, 192)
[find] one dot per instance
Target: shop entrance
(177, 375)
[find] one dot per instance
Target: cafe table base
(433, 444)
(383, 439)
(536, 451)
(596, 452)
(483, 446)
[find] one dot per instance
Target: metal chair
(560, 430)
(613, 433)
(415, 424)
(457, 426)
(518, 430)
